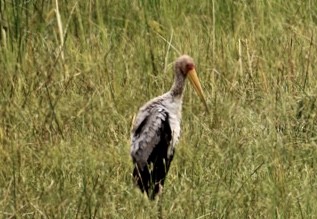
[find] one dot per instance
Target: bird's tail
(142, 178)
(146, 182)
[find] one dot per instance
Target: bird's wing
(150, 128)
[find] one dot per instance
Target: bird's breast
(174, 108)
(175, 127)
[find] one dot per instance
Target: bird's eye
(189, 66)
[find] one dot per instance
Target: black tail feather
(151, 180)
(142, 179)
(147, 181)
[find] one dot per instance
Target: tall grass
(73, 73)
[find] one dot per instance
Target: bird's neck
(178, 87)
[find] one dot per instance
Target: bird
(156, 130)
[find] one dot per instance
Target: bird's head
(185, 66)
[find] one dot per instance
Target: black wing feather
(151, 177)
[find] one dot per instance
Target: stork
(156, 130)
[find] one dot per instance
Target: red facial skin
(189, 67)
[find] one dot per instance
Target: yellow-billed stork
(156, 130)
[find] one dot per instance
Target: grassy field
(73, 73)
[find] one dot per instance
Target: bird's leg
(160, 190)
(160, 207)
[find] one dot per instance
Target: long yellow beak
(193, 78)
